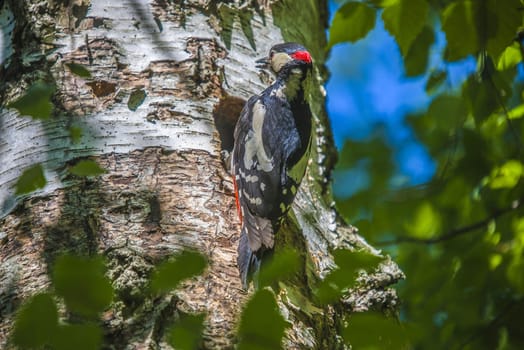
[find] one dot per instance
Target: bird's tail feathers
(256, 239)
(259, 232)
(248, 262)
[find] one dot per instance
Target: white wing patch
(252, 200)
(254, 145)
(247, 178)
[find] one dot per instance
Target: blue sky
(368, 93)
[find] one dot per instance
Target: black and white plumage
(270, 154)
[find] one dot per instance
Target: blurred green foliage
(283, 264)
(75, 134)
(351, 22)
(261, 324)
(371, 331)
(168, 275)
(82, 284)
(85, 336)
(344, 276)
(86, 167)
(136, 98)
(459, 238)
(186, 333)
(36, 322)
(79, 70)
(31, 180)
(36, 102)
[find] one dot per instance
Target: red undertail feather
(237, 200)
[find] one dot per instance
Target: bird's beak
(262, 63)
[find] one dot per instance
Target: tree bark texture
(165, 188)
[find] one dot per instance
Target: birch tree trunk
(165, 188)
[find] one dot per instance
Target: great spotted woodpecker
(270, 154)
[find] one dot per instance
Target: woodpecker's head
(286, 55)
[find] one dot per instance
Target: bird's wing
(264, 138)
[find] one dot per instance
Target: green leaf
(261, 324)
(86, 168)
(75, 133)
(447, 112)
(226, 16)
(36, 322)
(485, 96)
(510, 57)
(345, 275)
(169, 274)
(136, 98)
(460, 23)
(474, 165)
(517, 112)
(416, 59)
(31, 180)
(300, 301)
(79, 70)
(375, 159)
(186, 334)
(283, 264)
(351, 261)
(472, 25)
(494, 127)
(516, 264)
(82, 283)
(351, 22)
(332, 287)
(78, 337)
(383, 3)
(36, 102)
(503, 20)
(515, 275)
(503, 339)
(405, 19)
(435, 80)
(425, 221)
(507, 175)
(374, 331)
(246, 17)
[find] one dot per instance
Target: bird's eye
(271, 54)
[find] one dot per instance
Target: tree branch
(455, 232)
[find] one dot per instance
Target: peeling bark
(165, 188)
